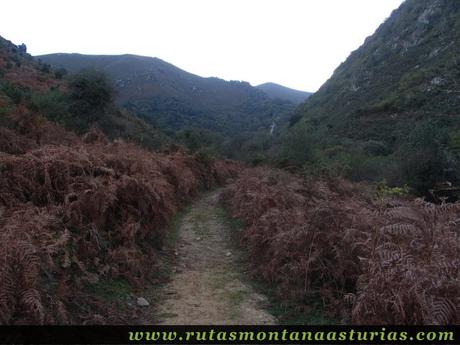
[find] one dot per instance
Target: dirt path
(207, 285)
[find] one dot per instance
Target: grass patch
(236, 225)
(289, 313)
(220, 280)
(235, 297)
(223, 283)
(199, 218)
(111, 289)
(172, 234)
(154, 293)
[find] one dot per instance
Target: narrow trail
(207, 284)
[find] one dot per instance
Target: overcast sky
(297, 43)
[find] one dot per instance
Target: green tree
(299, 146)
(424, 160)
(91, 95)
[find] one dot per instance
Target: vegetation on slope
(370, 260)
(400, 84)
(79, 212)
(173, 99)
(77, 102)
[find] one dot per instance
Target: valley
(134, 192)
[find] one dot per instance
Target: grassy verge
(155, 292)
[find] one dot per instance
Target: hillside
(400, 85)
(276, 91)
(175, 99)
(82, 218)
(26, 83)
(408, 70)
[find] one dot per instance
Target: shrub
(375, 148)
(298, 147)
(54, 105)
(384, 191)
(91, 94)
(15, 93)
(423, 159)
(60, 73)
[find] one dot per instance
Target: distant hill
(175, 99)
(276, 91)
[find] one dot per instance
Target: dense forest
(339, 207)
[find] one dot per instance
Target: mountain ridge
(274, 90)
(176, 99)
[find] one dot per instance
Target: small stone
(198, 238)
(228, 254)
(142, 302)
(437, 81)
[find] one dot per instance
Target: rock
(142, 302)
(437, 81)
(228, 254)
(198, 238)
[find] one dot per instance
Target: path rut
(207, 285)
